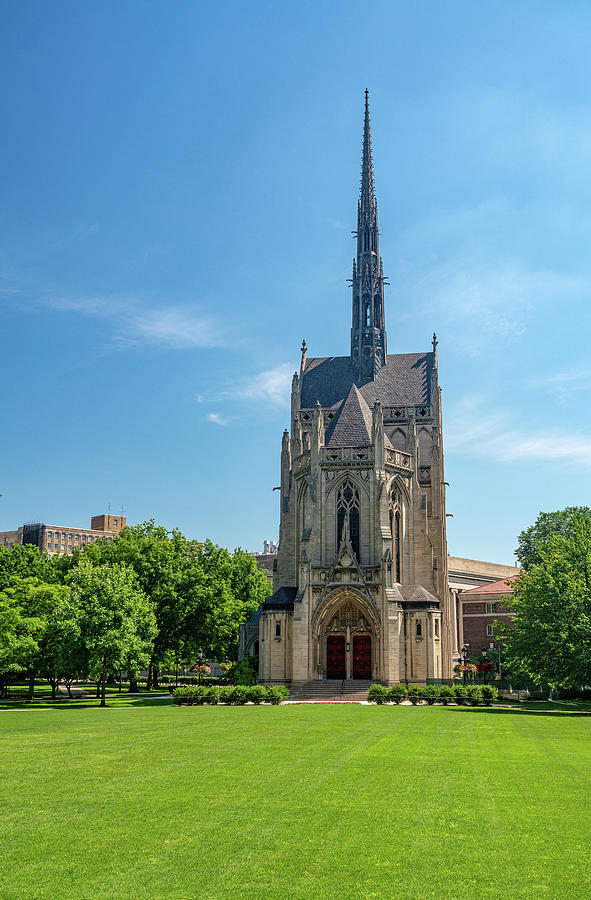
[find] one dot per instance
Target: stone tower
(360, 589)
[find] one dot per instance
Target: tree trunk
(69, 687)
(133, 687)
(53, 690)
(155, 677)
(31, 686)
(103, 684)
(150, 683)
(111, 679)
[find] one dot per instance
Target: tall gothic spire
(368, 331)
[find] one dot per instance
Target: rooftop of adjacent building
(503, 586)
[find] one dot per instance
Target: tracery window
(396, 531)
(348, 508)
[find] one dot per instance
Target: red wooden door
(361, 656)
(335, 656)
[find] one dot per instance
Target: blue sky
(179, 186)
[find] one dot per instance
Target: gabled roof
(405, 380)
(352, 423)
(282, 599)
(495, 587)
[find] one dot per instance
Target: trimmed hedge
(232, 695)
(432, 693)
(397, 693)
(378, 693)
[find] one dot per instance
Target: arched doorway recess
(346, 637)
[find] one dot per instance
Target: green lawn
(155, 801)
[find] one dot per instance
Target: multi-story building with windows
(61, 539)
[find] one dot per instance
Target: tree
(28, 604)
(62, 656)
(23, 561)
(550, 636)
(116, 620)
(201, 593)
(535, 539)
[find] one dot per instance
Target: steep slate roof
(282, 599)
(351, 425)
(405, 380)
(495, 587)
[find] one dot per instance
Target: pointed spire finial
(304, 348)
(368, 331)
(435, 342)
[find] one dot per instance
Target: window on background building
(419, 629)
(491, 607)
(114, 521)
(436, 628)
(490, 630)
(50, 534)
(278, 630)
(63, 546)
(77, 536)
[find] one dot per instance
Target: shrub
(213, 696)
(241, 697)
(227, 695)
(475, 694)
(188, 696)
(415, 693)
(446, 694)
(430, 694)
(377, 693)
(397, 693)
(460, 693)
(277, 693)
(245, 671)
(256, 693)
(489, 693)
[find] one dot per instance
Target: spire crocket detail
(368, 331)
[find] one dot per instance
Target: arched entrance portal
(346, 637)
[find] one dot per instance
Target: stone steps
(325, 689)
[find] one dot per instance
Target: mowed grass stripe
(294, 802)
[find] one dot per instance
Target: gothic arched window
(396, 531)
(348, 509)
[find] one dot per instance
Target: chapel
(360, 587)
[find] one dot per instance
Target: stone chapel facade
(361, 583)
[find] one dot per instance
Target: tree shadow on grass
(523, 711)
(67, 704)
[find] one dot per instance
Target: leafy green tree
(32, 602)
(550, 637)
(116, 620)
(201, 593)
(535, 539)
(23, 561)
(62, 656)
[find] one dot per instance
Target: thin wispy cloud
(478, 300)
(216, 419)
(271, 387)
(472, 429)
(564, 385)
(135, 321)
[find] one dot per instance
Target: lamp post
(464, 652)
